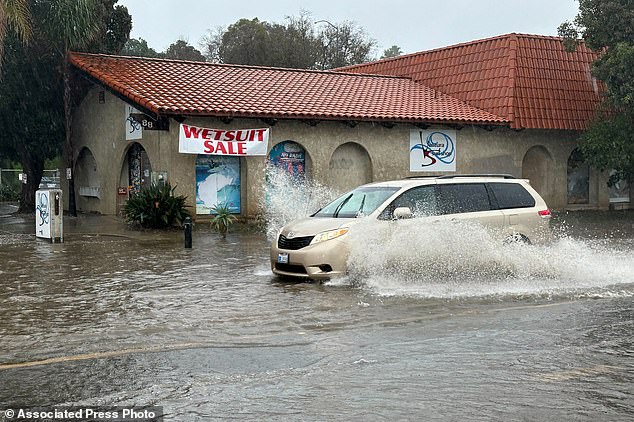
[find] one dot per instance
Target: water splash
(458, 259)
(290, 198)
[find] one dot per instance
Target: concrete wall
(338, 154)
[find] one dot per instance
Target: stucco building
(511, 104)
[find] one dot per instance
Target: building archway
(537, 167)
(136, 170)
(290, 157)
(349, 167)
(578, 179)
(87, 179)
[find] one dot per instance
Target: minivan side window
(421, 200)
(512, 195)
(463, 197)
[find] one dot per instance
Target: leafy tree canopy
(393, 51)
(138, 47)
(181, 50)
(34, 103)
(607, 26)
(15, 16)
(298, 43)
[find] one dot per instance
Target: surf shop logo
(437, 151)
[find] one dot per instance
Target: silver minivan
(316, 247)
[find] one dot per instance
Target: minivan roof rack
(503, 176)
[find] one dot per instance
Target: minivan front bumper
(321, 261)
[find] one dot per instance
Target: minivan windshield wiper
(360, 212)
(340, 206)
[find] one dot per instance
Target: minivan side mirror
(402, 212)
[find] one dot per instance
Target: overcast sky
(413, 25)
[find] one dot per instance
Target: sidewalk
(82, 225)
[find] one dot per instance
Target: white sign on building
(432, 150)
(199, 140)
(133, 129)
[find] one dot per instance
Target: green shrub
(8, 193)
(156, 207)
(223, 219)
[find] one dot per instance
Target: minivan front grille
(290, 268)
(293, 244)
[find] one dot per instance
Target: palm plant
(15, 15)
(222, 219)
(73, 24)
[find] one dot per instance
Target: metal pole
(187, 225)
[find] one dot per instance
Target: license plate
(282, 258)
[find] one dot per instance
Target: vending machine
(49, 214)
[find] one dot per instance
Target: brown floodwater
(513, 333)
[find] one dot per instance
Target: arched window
(537, 167)
(578, 179)
(139, 168)
(350, 166)
(289, 156)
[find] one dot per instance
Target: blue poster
(290, 156)
(217, 183)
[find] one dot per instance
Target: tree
(343, 45)
(393, 51)
(36, 100)
(245, 42)
(295, 44)
(31, 112)
(82, 24)
(607, 26)
(118, 24)
(181, 50)
(211, 43)
(16, 16)
(138, 47)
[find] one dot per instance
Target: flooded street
(534, 333)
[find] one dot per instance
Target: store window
(289, 156)
(217, 183)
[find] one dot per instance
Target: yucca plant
(223, 219)
(156, 207)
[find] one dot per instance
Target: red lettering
(206, 134)
(191, 131)
(209, 147)
(260, 133)
(221, 148)
(231, 151)
(230, 135)
(239, 135)
(242, 148)
(218, 134)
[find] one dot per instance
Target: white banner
(432, 150)
(199, 140)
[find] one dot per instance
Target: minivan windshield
(358, 203)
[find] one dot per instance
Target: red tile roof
(173, 87)
(528, 79)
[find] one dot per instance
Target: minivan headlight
(330, 234)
